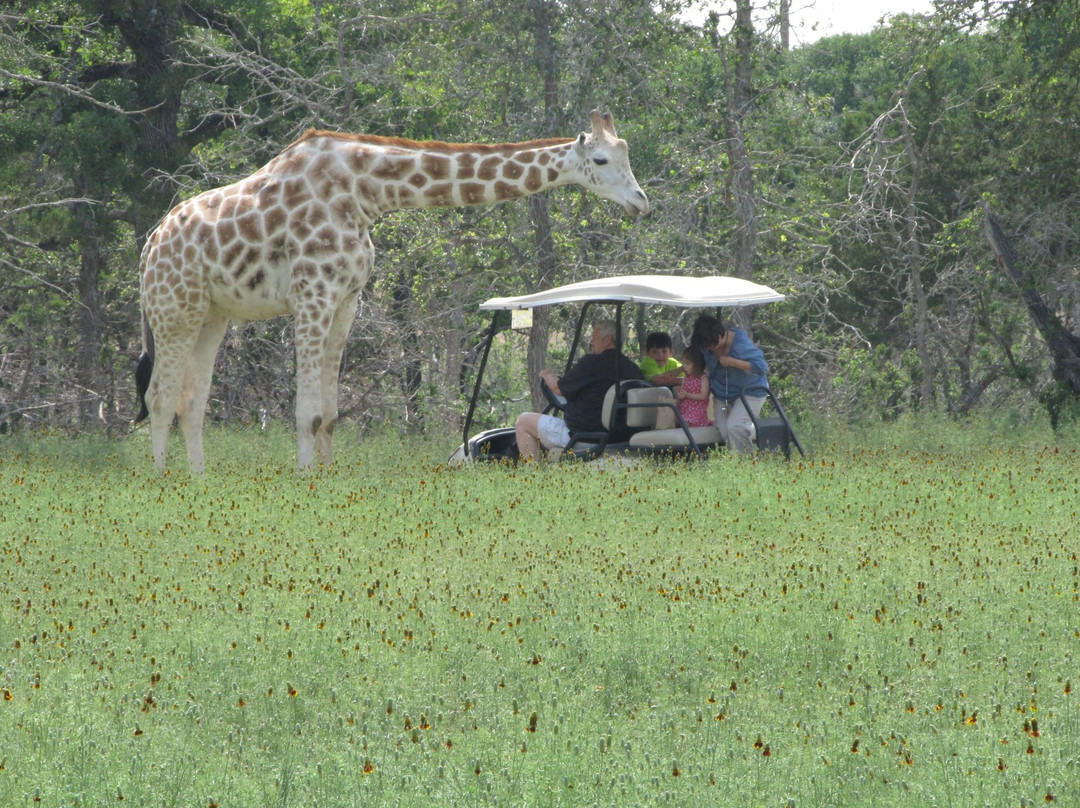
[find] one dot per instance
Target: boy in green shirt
(660, 367)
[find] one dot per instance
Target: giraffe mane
(431, 145)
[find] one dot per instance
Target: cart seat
(651, 423)
(670, 438)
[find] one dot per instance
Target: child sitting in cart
(660, 367)
(693, 394)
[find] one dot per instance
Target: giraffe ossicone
(293, 238)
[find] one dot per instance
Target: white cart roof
(666, 290)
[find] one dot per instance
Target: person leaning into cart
(734, 364)
(584, 387)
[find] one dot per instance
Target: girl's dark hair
(707, 331)
(691, 356)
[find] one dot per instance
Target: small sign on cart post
(521, 318)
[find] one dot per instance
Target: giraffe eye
(600, 161)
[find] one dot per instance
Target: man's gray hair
(605, 328)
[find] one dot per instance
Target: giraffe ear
(579, 144)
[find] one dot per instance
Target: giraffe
(293, 238)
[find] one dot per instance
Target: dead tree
(1064, 345)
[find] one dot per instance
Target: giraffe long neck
(426, 175)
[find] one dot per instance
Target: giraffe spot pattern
(489, 168)
(533, 180)
(472, 193)
(435, 166)
(504, 191)
(441, 195)
(466, 169)
(393, 168)
(226, 232)
(274, 219)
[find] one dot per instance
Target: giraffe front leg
(331, 372)
(196, 390)
(310, 350)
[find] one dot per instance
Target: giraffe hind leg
(331, 371)
(163, 392)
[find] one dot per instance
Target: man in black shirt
(584, 387)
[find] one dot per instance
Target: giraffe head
(603, 162)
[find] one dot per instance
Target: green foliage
(873, 383)
(888, 623)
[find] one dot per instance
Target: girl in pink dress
(693, 393)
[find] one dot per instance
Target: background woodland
(913, 190)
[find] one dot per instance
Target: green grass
(876, 625)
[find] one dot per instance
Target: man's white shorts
(553, 432)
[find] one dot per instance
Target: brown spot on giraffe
(296, 193)
(466, 167)
(441, 195)
(393, 169)
(472, 193)
(506, 190)
(226, 232)
(436, 166)
(489, 168)
(512, 170)
(250, 227)
(274, 219)
(533, 180)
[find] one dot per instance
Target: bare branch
(74, 92)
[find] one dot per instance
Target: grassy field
(894, 621)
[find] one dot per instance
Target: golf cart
(638, 418)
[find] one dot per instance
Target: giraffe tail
(142, 382)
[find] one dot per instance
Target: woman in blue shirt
(734, 364)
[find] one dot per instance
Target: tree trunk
(912, 252)
(412, 365)
(546, 264)
(1064, 345)
(742, 175)
(92, 267)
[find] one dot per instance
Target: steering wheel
(554, 400)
